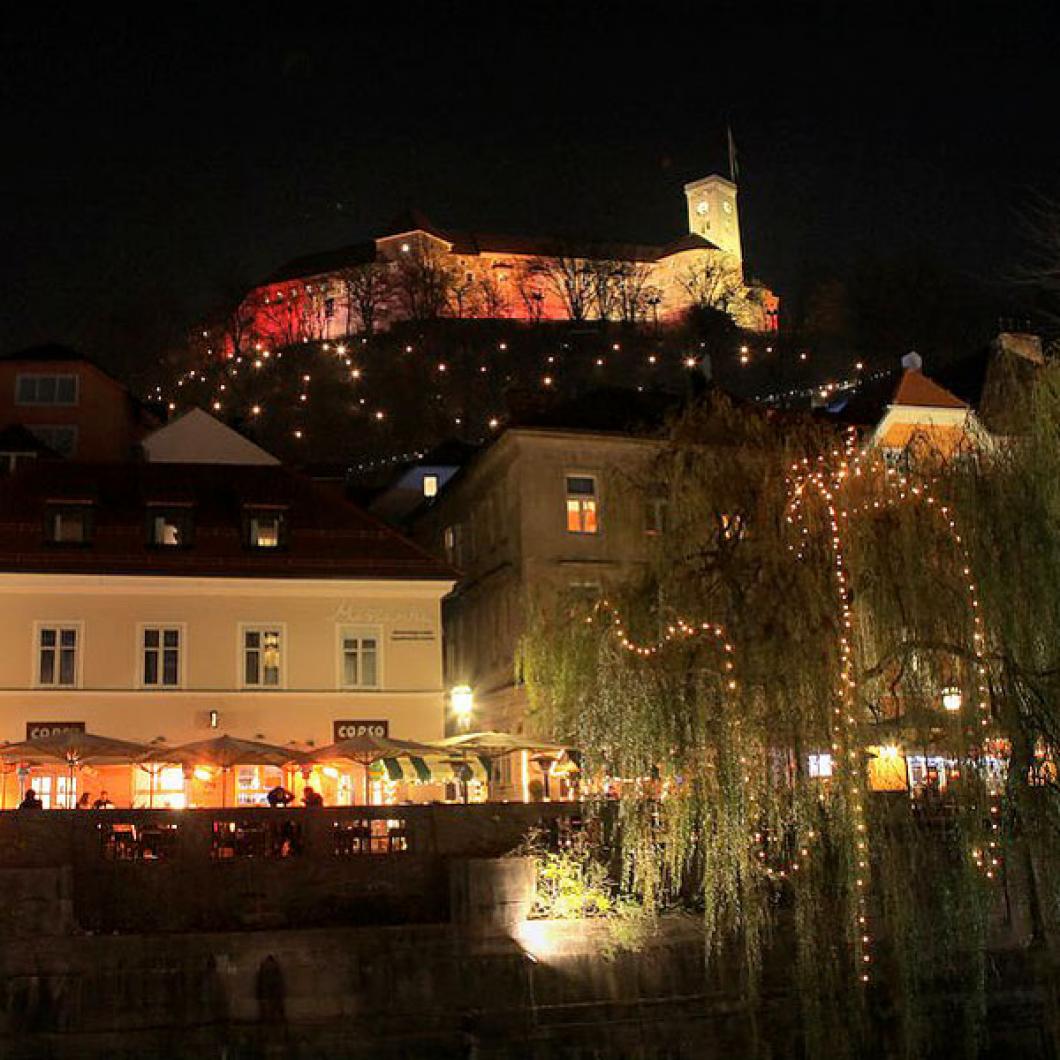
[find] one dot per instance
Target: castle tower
(712, 213)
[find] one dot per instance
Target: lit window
(360, 660)
(46, 390)
(581, 504)
(821, 765)
(58, 656)
(161, 657)
(430, 485)
(266, 528)
(169, 527)
(69, 524)
(261, 657)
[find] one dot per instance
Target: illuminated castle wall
(486, 275)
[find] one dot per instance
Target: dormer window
(266, 527)
(68, 523)
(169, 526)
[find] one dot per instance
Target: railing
(84, 837)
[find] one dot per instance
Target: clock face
(702, 207)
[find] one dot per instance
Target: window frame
(568, 496)
(361, 632)
(53, 508)
(241, 651)
(656, 515)
(253, 511)
(71, 428)
(58, 625)
(141, 648)
(20, 377)
(162, 510)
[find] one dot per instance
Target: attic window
(265, 528)
(68, 523)
(169, 526)
(430, 485)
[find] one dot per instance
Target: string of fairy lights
(213, 382)
(827, 480)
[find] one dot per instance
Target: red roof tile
(915, 388)
(326, 536)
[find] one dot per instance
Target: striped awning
(441, 769)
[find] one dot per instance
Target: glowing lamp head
(462, 701)
(202, 773)
(330, 772)
(952, 699)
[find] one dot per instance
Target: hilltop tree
(367, 290)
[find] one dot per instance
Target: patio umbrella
(492, 744)
(497, 744)
(365, 750)
(75, 749)
(223, 752)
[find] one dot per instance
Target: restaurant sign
(347, 730)
(37, 730)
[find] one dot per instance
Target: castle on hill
(417, 270)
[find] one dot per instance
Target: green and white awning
(432, 770)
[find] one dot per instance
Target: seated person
(85, 802)
(312, 798)
(103, 802)
(279, 796)
(31, 802)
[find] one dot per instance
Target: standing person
(31, 802)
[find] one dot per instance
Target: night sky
(157, 163)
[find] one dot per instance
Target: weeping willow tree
(808, 616)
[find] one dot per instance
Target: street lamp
(951, 699)
(462, 702)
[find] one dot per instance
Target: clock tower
(712, 213)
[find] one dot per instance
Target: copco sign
(37, 730)
(347, 730)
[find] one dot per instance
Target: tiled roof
(327, 537)
(469, 242)
(915, 388)
(325, 262)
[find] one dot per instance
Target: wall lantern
(951, 699)
(462, 701)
